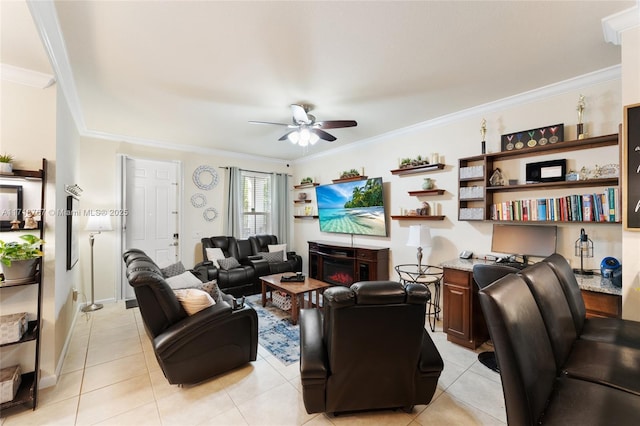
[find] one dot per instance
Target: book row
(595, 207)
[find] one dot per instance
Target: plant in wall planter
(6, 164)
(19, 261)
(349, 174)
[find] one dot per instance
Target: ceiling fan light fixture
(294, 137)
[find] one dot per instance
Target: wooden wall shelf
(350, 179)
(426, 192)
(306, 185)
(418, 169)
(417, 217)
(302, 201)
(305, 217)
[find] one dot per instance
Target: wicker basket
(12, 327)
(281, 300)
(10, 379)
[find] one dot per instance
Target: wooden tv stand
(342, 264)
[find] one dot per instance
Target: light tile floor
(110, 377)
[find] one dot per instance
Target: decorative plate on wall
(210, 214)
(198, 200)
(205, 177)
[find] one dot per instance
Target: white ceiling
(193, 73)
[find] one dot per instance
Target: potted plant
(6, 166)
(20, 260)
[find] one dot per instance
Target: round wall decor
(210, 214)
(205, 177)
(198, 200)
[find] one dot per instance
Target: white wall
(455, 138)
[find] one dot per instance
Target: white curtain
(282, 209)
(233, 221)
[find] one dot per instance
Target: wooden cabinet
(346, 264)
(34, 182)
(476, 195)
(462, 317)
(602, 305)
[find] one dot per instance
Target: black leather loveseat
(190, 349)
(244, 279)
(551, 371)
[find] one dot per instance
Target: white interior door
(152, 200)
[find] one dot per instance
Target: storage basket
(281, 300)
(471, 192)
(475, 213)
(471, 172)
(10, 379)
(12, 327)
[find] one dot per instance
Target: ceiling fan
(305, 129)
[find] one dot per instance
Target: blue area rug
(275, 331)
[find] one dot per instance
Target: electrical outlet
(75, 295)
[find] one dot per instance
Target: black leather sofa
(368, 349)
(245, 279)
(551, 374)
(190, 349)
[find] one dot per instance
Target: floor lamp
(95, 225)
(419, 236)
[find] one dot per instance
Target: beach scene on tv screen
(352, 207)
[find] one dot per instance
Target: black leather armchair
(193, 348)
(240, 281)
(368, 349)
(261, 243)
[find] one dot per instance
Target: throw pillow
(173, 270)
(194, 300)
(214, 291)
(214, 254)
(274, 257)
(186, 279)
(279, 247)
(228, 263)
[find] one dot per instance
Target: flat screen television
(355, 207)
(524, 240)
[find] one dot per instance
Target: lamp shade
(419, 236)
(98, 223)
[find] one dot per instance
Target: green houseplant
(6, 165)
(20, 260)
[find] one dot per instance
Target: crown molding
(46, 21)
(596, 77)
(614, 25)
(26, 77)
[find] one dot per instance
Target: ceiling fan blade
(323, 135)
(269, 122)
(335, 124)
(286, 135)
(299, 114)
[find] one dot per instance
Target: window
(256, 203)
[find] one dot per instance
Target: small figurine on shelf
(497, 179)
(424, 210)
(581, 105)
(15, 224)
(30, 221)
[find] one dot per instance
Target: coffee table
(296, 290)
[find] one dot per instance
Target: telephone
(466, 254)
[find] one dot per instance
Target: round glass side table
(426, 275)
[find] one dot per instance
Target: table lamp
(419, 236)
(95, 225)
(584, 248)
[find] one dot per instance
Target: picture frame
(631, 168)
(11, 207)
(73, 230)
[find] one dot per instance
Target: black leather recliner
(261, 243)
(193, 348)
(368, 349)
